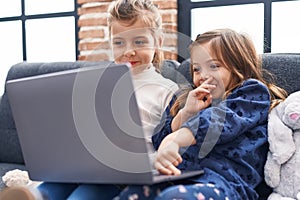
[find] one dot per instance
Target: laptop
(83, 125)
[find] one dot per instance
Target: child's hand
(199, 98)
(168, 157)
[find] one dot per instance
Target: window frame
(23, 17)
(184, 20)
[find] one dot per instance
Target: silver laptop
(84, 126)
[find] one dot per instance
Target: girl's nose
(204, 76)
(201, 78)
(129, 52)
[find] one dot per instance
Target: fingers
(207, 100)
(204, 88)
(169, 170)
(169, 158)
(166, 163)
(200, 93)
(174, 170)
(177, 161)
(203, 92)
(208, 87)
(207, 84)
(203, 95)
(162, 169)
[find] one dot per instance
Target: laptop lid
(81, 125)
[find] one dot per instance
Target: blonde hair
(129, 11)
(237, 53)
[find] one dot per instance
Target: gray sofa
(285, 67)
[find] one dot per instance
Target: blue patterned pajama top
(231, 140)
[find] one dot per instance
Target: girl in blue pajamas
(135, 31)
(220, 125)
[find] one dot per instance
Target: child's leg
(56, 191)
(95, 192)
(141, 191)
(45, 191)
(195, 191)
(14, 193)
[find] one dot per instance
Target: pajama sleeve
(164, 127)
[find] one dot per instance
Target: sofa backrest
(286, 69)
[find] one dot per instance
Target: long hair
(129, 11)
(237, 53)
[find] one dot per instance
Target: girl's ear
(159, 44)
(160, 41)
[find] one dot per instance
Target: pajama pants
(163, 191)
(176, 192)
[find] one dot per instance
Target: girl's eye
(196, 69)
(214, 67)
(118, 43)
(140, 42)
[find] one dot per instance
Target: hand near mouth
(198, 99)
(208, 85)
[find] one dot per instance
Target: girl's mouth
(133, 63)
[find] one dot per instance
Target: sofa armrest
(10, 150)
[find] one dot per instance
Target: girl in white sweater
(135, 28)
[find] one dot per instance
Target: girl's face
(134, 44)
(204, 66)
